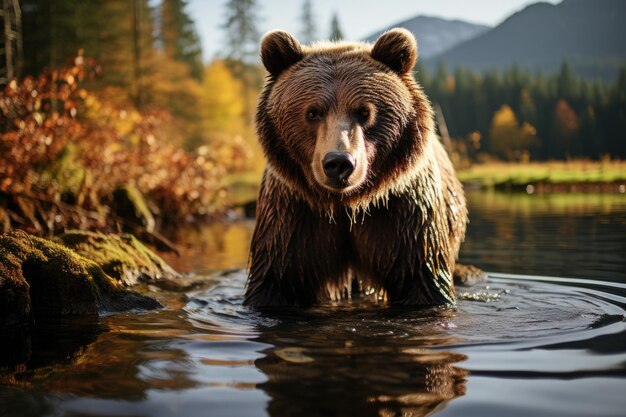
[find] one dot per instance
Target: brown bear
(357, 185)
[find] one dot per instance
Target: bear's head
(342, 123)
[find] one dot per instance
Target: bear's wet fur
(393, 216)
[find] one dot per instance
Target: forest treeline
(151, 58)
(112, 94)
(517, 115)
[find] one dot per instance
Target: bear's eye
(362, 114)
(313, 114)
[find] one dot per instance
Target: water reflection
(352, 358)
(35, 352)
(121, 361)
(205, 353)
(215, 247)
(571, 235)
(330, 365)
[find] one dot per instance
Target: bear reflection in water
(357, 185)
(335, 371)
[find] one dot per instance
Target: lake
(545, 336)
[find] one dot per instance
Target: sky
(357, 18)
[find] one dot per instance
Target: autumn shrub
(66, 148)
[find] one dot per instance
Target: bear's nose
(338, 165)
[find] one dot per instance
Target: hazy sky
(358, 18)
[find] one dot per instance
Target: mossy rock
(123, 257)
(40, 278)
(468, 275)
(14, 290)
(130, 205)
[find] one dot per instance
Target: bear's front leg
(406, 254)
(297, 255)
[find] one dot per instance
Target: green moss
(122, 257)
(14, 291)
(61, 281)
(43, 278)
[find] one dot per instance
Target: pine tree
(53, 31)
(125, 45)
(309, 28)
(242, 39)
(178, 36)
(242, 34)
(336, 34)
(117, 33)
(566, 83)
(11, 52)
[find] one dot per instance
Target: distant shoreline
(546, 187)
(547, 177)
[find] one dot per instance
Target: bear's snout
(338, 166)
(340, 159)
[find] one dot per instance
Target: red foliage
(64, 146)
(37, 118)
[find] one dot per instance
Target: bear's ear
(397, 49)
(279, 51)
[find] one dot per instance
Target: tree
(336, 34)
(565, 82)
(309, 28)
(226, 117)
(242, 34)
(117, 33)
(12, 58)
(222, 103)
(242, 44)
(169, 85)
(53, 31)
(125, 45)
(179, 37)
(528, 110)
(508, 139)
(616, 116)
(566, 129)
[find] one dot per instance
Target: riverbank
(551, 176)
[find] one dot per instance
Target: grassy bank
(553, 175)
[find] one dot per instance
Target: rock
(40, 278)
(468, 275)
(130, 205)
(14, 291)
(123, 257)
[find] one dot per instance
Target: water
(567, 235)
(546, 335)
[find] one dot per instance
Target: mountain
(590, 34)
(435, 35)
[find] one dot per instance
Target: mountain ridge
(588, 34)
(435, 34)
